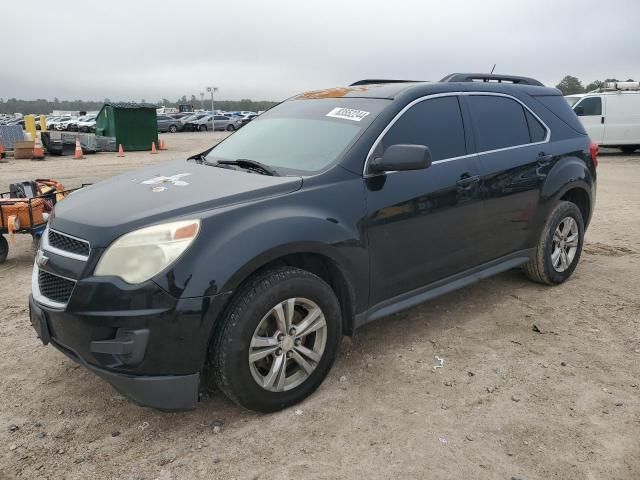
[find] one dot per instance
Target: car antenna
(494, 67)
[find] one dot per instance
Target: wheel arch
(571, 180)
(580, 197)
(314, 258)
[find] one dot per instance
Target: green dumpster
(134, 125)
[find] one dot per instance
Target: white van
(611, 115)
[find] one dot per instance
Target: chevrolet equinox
(333, 209)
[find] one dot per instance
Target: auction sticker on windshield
(347, 114)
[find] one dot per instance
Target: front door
(424, 225)
(591, 111)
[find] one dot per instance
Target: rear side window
(499, 122)
(436, 123)
(537, 132)
(588, 107)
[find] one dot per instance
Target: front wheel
(203, 128)
(278, 339)
(560, 245)
(230, 128)
(173, 129)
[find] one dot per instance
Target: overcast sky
(271, 49)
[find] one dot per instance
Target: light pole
(202, 100)
(212, 90)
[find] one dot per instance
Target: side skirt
(441, 287)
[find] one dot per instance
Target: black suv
(333, 209)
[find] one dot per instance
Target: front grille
(68, 244)
(55, 288)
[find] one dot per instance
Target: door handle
(467, 181)
(601, 120)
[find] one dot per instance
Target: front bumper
(151, 356)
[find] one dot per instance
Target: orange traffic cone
(120, 151)
(38, 152)
(78, 155)
(3, 155)
(153, 148)
(163, 144)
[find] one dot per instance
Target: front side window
(436, 123)
(589, 107)
(499, 122)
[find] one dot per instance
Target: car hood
(102, 212)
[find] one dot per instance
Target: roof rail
(371, 81)
(488, 77)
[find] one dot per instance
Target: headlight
(141, 254)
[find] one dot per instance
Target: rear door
(591, 111)
(423, 224)
(512, 146)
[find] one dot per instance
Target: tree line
(41, 105)
(570, 85)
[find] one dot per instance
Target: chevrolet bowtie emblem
(41, 259)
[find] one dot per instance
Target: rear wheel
(559, 247)
(278, 339)
(629, 149)
(203, 128)
(230, 128)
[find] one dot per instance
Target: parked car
(58, 123)
(87, 124)
(168, 124)
(74, 124)
(611, 115)
(214, 122)
(180, 115)
(246, 119)
(192, 118)
(200, 123)
(331, 210)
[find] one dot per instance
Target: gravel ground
(509, 402)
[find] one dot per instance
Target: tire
(543, 267)
(251, 314)
(230, 128)
(4, 249)
(202, 128)
(629, 150)
(173, 129)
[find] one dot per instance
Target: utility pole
(212, 90)
(202, 100)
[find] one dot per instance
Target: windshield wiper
(251, 165)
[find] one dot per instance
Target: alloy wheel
(565, 244)
(287, 344)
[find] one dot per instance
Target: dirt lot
(509, 402)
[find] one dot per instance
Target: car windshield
(572, 100)
(301, 136)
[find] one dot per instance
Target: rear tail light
(593, 151)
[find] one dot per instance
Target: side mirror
(579, 110)
(401, 157)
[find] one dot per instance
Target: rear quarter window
(537, 132)
(557, 105)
